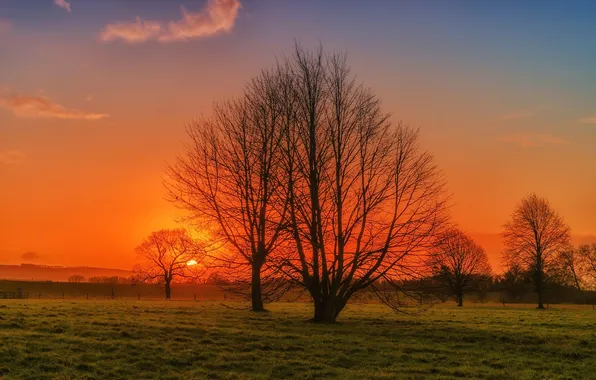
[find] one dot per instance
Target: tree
(77, 278)
(167, 255)
(460, 264)
(229, 180)
(534, 238)
(586, 255)
(513, 282)
(579, 267)
(365, 201)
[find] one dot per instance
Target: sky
(95, 96)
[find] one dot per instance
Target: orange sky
(94, 102)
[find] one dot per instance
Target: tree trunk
(540, 289)
(168, 289)
(460, 300)
(327, 309)
(540, 299)
(256, 291)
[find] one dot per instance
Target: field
(61, 339)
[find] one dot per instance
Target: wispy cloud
(5, 26)
(44, 107)
(533, 139)
(215, 17)
(588, 120)
(11, 157)
(63, 4)
(135, 32)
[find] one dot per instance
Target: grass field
(186, 340)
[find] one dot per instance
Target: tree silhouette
(77, 278)
(586, 255)
(460, 264)
(166, 255)
(365, 201)
(229, 181)
(534, 238)
(513, 282)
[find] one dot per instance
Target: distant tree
(534, 238)
(586, 256)
(571, 270)
(513, 283)
(76, 278)
(460, 264)
(167, 255)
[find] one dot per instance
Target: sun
(191, 263)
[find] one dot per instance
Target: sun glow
(191, 263)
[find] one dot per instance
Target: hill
(34, 272)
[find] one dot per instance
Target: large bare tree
(365, 200)
(229, 181)
(535, 238)
(167, 255)
(459, 263)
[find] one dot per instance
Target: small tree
(460, 264)
(534, 238)
(586, 257)
(167, 255)
(77, 278)
(513, 283)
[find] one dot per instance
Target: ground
(60, 339)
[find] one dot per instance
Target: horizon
(95, 98)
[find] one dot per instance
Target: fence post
(87, 296)
(139, 296)
(195, 298)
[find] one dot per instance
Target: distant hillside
(33, 272)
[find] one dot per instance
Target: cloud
(30, 256)
(89, 98)
(588, 120)
(44, 107)
(217, 16)
(533, 139)
(139, 31)
(11, 157)
(5, 26)
(63, 4)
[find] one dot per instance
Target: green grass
(186, 340)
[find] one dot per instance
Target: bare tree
(580, 266)
(167, 255)
(77, 278)
(571, 271)
(460, 264)
(534, 238)
(229, 181)
(586, 255)
(365, 201)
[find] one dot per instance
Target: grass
(186, 340)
